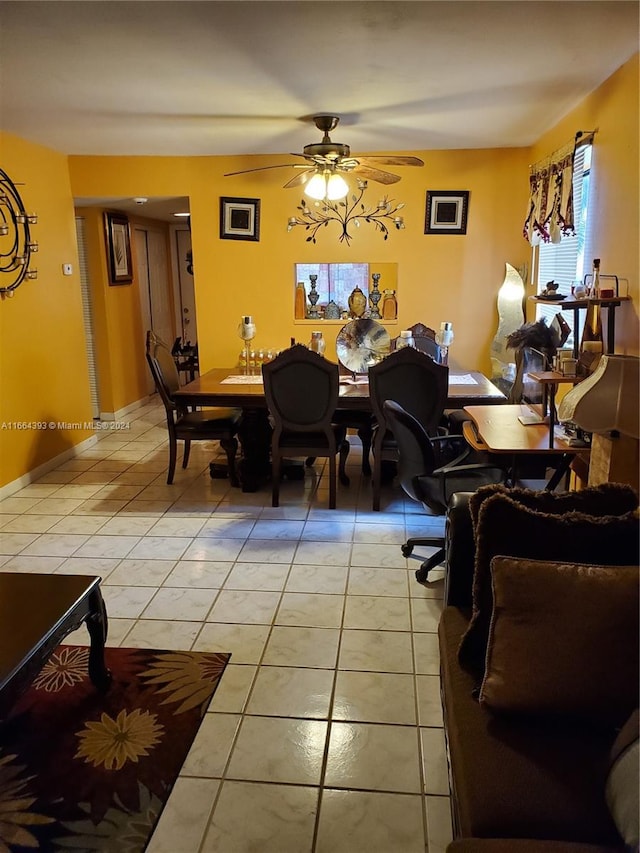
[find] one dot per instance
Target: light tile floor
(325, 735)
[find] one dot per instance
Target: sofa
(539, 669)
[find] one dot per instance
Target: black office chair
(419, 385)
(301, 388)
(431, 471)
(219, 424)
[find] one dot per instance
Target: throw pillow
(563, 640)
(606, 499)
(505, 526)
(623, 782)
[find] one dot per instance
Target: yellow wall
(43, 367)
(454, 278)
(613, 109)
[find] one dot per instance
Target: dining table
(229, 386)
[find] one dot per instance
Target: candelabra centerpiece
(348, 212)
(313, 298)
(375, 296)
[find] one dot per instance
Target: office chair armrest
(449, 449)
(464, 478)
(452, 468)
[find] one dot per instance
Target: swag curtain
(550, 210)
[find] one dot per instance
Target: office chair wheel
(422, 574)
(407, 550)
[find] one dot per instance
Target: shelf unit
(577, 305)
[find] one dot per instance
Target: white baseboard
(31, 476)
(126, 410)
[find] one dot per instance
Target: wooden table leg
(254, 432)
(97, 625)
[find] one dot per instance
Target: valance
(550, 214)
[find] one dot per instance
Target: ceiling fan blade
(263, 169)
(390, 160)
(376, 175)
(299, 179)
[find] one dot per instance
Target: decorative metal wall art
(347, 212)
(16, 243)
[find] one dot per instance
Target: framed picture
(239, 218)
(118, 248)
(446, 212)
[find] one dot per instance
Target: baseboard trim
(35, 474)
(126, 410)
(28, 478)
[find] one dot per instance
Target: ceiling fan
(325, 159)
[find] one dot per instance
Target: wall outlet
(67, 269)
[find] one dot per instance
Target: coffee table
(36, 612)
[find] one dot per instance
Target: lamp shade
(326, 185)
(607, 400)
(337, 187)
(316, 187)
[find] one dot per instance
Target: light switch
(67, 269)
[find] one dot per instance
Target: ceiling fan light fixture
(316, 187)
(337, 187)
(326, 185)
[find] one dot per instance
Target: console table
(37, 611)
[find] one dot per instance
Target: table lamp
(606, 405)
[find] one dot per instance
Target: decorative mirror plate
(362, 343)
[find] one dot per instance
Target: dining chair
(424, 340)
(218, 424)
(301, 389)
(420, 385)
(431, 470)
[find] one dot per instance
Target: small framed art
(446, 212)
(118, 248)
(239, 218)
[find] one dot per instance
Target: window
(335, 281)
(567, 262)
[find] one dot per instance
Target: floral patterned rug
(84, 771)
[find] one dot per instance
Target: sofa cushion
(520, 779)
(563, 640)
(566, 528)
(622, 790)
(606, 499)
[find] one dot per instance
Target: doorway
(87, 317)
(156, 298)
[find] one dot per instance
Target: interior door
(155, 284)
(185, 282)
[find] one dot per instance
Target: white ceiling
(202, 78)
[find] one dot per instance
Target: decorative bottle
(405, 339)
(595, 283)
(317, 343)
(300, 311)
(389, 305)
(591, 345)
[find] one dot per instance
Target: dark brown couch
(519, 784)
